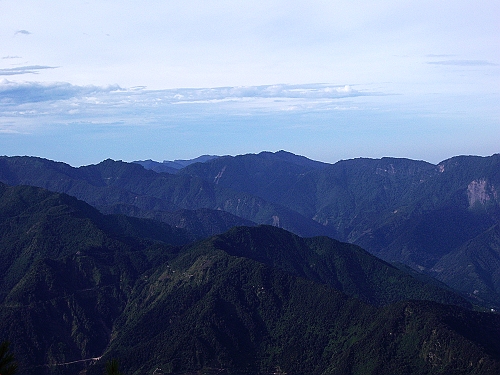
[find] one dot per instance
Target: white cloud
(27, 105)
(34, 92)
(278, 91)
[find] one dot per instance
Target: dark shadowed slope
(225, 306)
(66, 271)
(112, 182)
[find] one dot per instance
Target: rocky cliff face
(481, 192)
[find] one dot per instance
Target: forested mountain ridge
(112, 183)
(66, 271)
(337, 194)
(345, 267)
(240, 316)
(245, 301)
(401, 210)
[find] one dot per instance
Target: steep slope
(36, 224)
(474, 267)
(357, 197)
(66, 271)
(213, 312)
(462, 187)
(266, 175)
(343, 266)
(200, 223)
(401, 210)
(110, 183)
(315, 190)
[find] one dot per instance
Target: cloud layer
(27, 104)
(12, 92)
(30, 69)
(86, 124)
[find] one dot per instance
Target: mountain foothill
(251, 264)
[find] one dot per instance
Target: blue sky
(81, 81)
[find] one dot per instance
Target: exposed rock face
(481, 192)
(219, 175)
(276, 221)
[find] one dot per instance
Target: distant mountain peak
(172, 166)
(185, 162)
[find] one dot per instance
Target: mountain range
(252, 263)
(412, 212)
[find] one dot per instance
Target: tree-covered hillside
(401, 210)
(404, 211)
(145, 192)
(80, 288)
(66, 271)
(222, 311)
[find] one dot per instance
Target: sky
(83, 81)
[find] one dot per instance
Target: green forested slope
(475, 267)
(217, 312)
(346, 267)
(77, 284)
(200, 223)
(66, 271)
